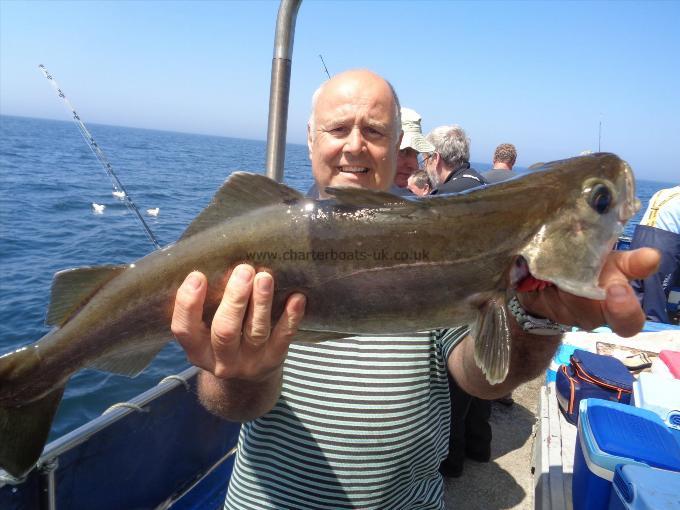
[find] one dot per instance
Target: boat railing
(114, 413)
(161, 420)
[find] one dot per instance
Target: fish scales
(368, 262)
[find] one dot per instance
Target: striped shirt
(361, 423)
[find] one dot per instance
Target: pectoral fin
(132, 358)
(491, 332)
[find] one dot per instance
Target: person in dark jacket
(449, 166)
(450, 172)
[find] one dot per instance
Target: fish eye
(600, 198)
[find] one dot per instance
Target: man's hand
(241, 344)
(620, 309)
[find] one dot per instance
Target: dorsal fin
(242, 192)
(72, 288)
(359, 197)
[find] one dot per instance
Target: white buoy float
(98, 208)
(153, 212)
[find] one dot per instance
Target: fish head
(593, 198)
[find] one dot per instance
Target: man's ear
(309, 140)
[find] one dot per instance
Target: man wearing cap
(449, 166)
(412, 143)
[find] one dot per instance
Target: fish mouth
(521, 279)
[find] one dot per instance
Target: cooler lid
(649, 488)
(620, 431)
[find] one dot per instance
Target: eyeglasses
(426, 157)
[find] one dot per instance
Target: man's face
(430, 166)
(355, 142)
(407, 163)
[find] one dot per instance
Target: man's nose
(354, 142)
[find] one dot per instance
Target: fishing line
(118, 187)
(324, 67)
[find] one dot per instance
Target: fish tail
(26, 410)
(24, 430)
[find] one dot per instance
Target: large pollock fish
(369, 263)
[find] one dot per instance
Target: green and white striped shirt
(361, 423)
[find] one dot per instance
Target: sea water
(49, 179)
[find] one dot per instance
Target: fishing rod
(599, 136)
(119, 189)
(324, 67)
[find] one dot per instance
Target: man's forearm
(239, 400)
(529, 356)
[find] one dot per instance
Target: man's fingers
(286, 327)
(187, 320)
(228, 321)
(630, 265)
(257, 325)
(622, 310)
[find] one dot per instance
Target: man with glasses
(449, 170)
(449, 165)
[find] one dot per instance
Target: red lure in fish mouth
(522, 280)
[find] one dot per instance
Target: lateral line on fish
(442, 263)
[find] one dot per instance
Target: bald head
(345, 80)
(354, 131)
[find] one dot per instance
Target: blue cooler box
(610, 433)
(644, 488)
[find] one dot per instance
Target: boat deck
(506, 482)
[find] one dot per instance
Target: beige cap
(413, 133)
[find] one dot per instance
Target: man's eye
(338, 130)
(373, 132)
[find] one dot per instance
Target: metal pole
(280, 88)
(48, 486)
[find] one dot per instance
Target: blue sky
(538, 74)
